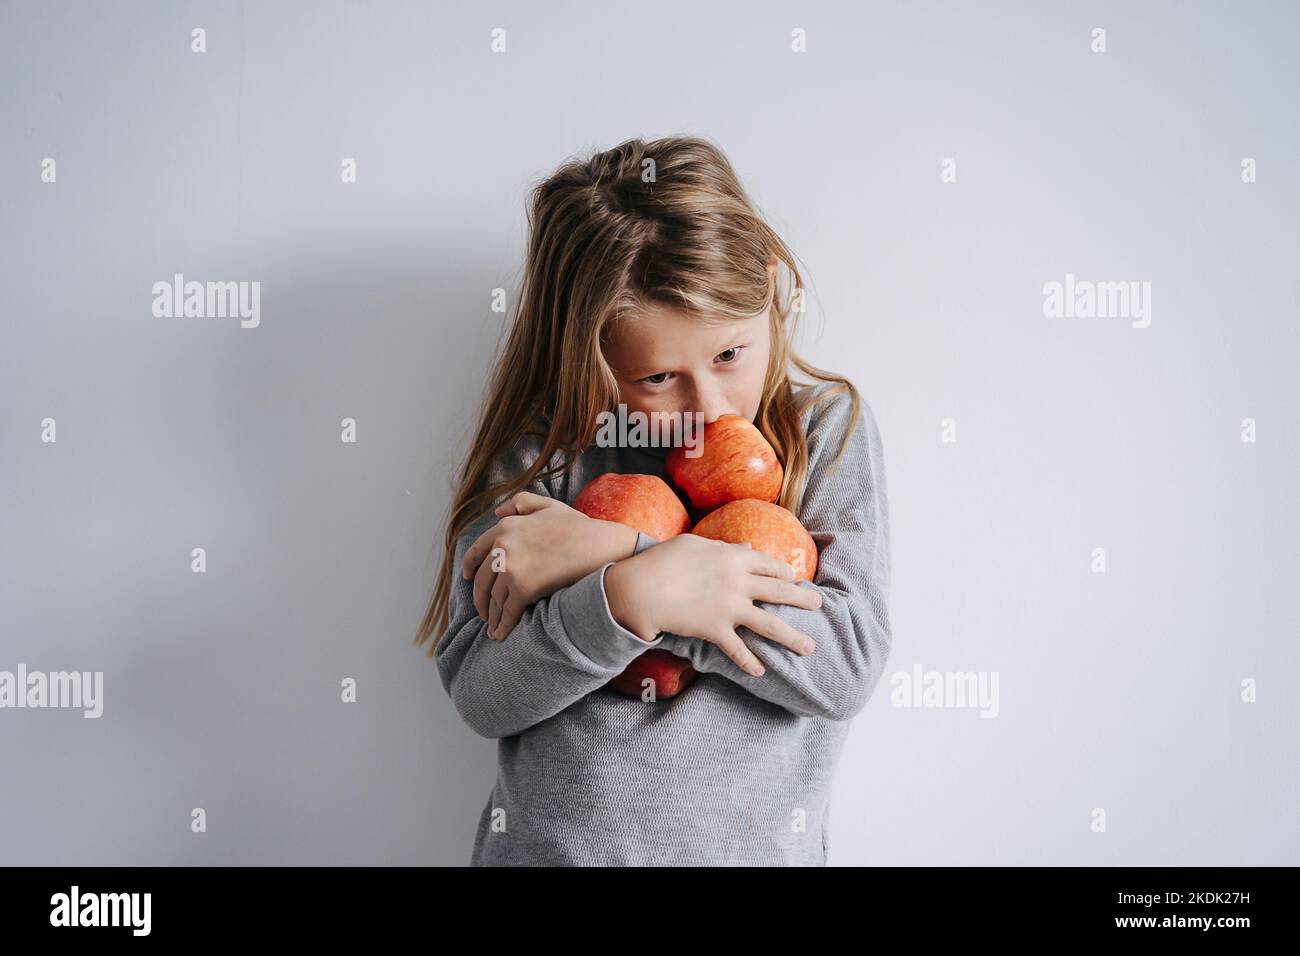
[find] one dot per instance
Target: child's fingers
(483, 581)
(511, 612)
(526, 502)
(476, 553)
(761, 562)
(522, 503)
(766, 624)
(776, 591)
(506, 507)
(730, 644)
(500, 594)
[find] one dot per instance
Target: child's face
(666, 361)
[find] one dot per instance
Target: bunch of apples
(731, 487)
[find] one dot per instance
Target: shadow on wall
(223, 690)
(398, 340)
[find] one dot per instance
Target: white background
(1118, 691)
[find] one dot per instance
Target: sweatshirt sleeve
(846, 511)
(564, 647)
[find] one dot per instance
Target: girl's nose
(713, 407)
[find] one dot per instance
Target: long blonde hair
(663, 222)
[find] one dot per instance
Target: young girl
(651, 281)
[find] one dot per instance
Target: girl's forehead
(670, 327)
(657, 320)
(664, 343)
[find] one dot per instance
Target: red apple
(735, 461)
(766, 527)
(643, 502)
(671, 674)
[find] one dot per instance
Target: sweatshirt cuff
(584, 609)
(643, 541)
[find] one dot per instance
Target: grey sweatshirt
(735, 770)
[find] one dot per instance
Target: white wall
(1118, 691)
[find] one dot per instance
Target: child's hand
(544, 545)
(696, 587)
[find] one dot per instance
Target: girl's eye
(725, 357)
